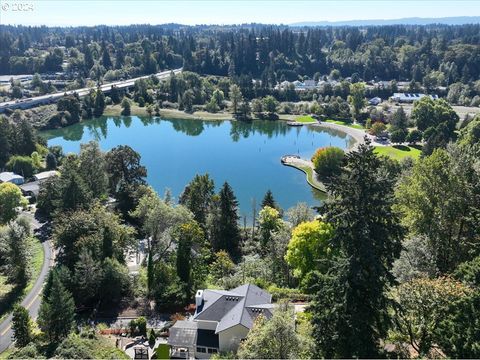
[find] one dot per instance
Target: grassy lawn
(135, 110)
(5, 354)
(305, 119)
(10, 295)
(399, 152)
(339, 122)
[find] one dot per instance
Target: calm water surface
(247, 155)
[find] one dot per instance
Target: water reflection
(246, 154)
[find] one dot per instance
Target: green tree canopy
(10, 198)
(310, 243)
(21, 326)
(349, 306)
(328, 161)
(57, 311)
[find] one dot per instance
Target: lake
(246, 154)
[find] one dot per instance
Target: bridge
(51, 98)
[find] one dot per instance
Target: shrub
(398, 136)
(377, 128)
(328, 161)
(23, 165)
(280, 293)
(414, 136)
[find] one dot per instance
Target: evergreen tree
(150, 273)
(87, 278)
(268, 200)
(51, 161)
(74, 193)
(228, 231)
(368, 234)
(187, 235)
(92, 168)
(21, 326)
(57, 311)
(99, 104)
(5, 138)
(197, 197)
(399, 120)
(25, 138)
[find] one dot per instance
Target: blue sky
(122, 12)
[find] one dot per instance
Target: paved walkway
(303, 165)
(357, 134)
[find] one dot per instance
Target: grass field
(399, 152)
(306, 119)
(339, 122)
(9, 295)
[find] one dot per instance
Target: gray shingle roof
(183, 333)
(234, 307)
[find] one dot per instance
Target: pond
(246, 154)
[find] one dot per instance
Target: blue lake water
(246, 154)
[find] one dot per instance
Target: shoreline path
(307, 166)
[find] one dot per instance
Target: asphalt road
(37, 100)
(32, 301)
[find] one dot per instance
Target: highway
(33, 299)
(50, 98)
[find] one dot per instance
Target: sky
(124, 12)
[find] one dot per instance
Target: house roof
(207, 338)
(45, 175)
(9, 176)
(31, 187)
(234, 307)
(183, 333)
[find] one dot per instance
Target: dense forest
(436, 53)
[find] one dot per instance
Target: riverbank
(135, 110)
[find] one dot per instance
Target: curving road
(32, 301)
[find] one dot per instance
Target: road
(32, 301)
(50, 98)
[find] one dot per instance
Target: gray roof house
(12, 178)
(221, 321)
(42, 176)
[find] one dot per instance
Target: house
(374, 101)
(410, 97)
(45, 175)
(12, 178)
(30, 189)
(221, 321)
(310, 84)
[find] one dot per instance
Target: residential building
(410, 97)
(374, 101)
(221, 321)
(42, 176)
(12, 178)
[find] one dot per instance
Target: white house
(410, 97)
(222, 320)
(374, 101)
(12, 178)
(42, 176)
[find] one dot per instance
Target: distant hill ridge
(457, 20)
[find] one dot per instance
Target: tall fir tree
(350, 305)
(268, 200)
(228, 233)
(21, 326)
(57, 311)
